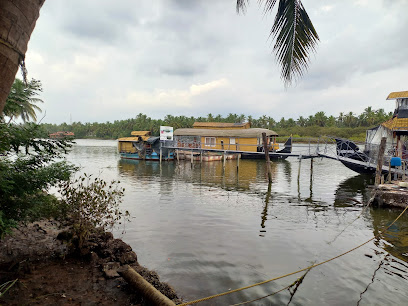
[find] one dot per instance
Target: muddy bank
(50, 273)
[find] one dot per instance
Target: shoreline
(49, 273)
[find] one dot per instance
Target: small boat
(143, 146)
(395, 131)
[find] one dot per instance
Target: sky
(104, 60)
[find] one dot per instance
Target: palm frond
(241, 5)
(294, 35)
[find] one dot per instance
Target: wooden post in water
(160, 154)
(380, 158)
(311, 170)
(238, 158)
(268, 162)
(192, 156)
(178, 157)
(300, 163)
(201, 156)
(224, 159)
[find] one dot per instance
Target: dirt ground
(49, 273)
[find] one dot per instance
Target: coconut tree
(22, 100)
(294, 34)
(17, 22)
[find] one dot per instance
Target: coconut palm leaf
(294, 34)
(22, 100)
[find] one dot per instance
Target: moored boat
(143, 146)
(394, 130)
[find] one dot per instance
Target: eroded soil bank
(49, 273)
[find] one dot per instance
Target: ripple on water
(206, 232)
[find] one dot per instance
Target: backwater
(207, 230)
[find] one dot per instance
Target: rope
(292, 273)
(358, 217)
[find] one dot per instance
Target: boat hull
(262, 156)
(153, 157)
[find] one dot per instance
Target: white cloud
(118, 59)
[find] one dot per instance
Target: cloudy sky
(105, 60)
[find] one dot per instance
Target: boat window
(210, 141)
(402, 103)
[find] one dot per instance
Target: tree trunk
(17, 22)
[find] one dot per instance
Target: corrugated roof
(397, 94)
(220, 124)
(244, 133)
(396, 124)
(140, 133)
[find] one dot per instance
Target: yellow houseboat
(226, 136)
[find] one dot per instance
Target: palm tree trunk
(17, 22)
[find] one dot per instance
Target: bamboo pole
(136, 281)
(268, 162)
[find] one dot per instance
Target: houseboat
(394, 130)
(62, 134)
(231, 137)
(143, 146)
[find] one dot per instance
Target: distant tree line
(347, 125)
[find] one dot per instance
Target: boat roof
(144, 138)
(220, 125)
(140, 133)
(397, 95)
(396, 124)
(244, 133)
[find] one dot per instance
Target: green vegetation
(345, 125)
(30, 165)
(91, 202)
(21, 102)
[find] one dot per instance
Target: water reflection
(206, 229)
(395, 239)
(352, 190)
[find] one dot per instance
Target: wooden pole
(268, 162)
(201, 156)
(135, 280)
(300, 163)
(192, 156)
(160, 154)
(380, 158)
(178, 157)
(238, 158)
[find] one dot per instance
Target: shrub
(91, 202)
(28, 168)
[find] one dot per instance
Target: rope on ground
(292, 273)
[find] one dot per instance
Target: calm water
(206, 230)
